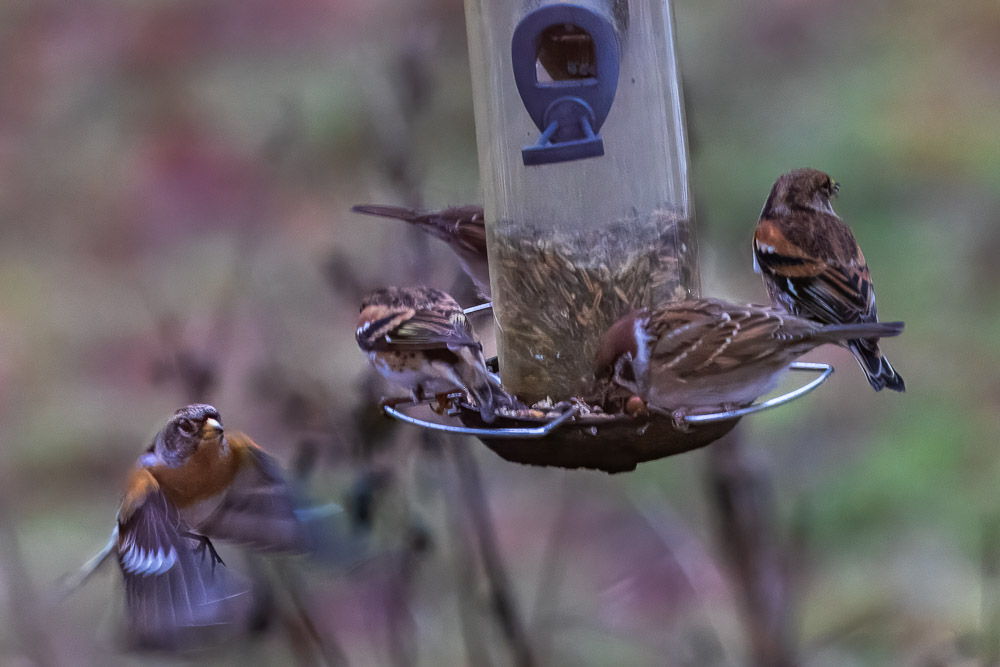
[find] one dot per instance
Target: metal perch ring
(824, 370)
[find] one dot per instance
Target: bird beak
(213, 424)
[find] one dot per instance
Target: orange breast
(209, 471)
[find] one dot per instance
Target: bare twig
(502, 596)
(742, 499)
(401, 629)
(550, 579)
(73, 581)
(196, 368)
(326, 645)
(464, 559)
(991, 590)
(690, 555)
(25, 615)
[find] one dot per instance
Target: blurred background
(175, 179)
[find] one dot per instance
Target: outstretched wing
(175, 597)
(258, 509)
(262, 509)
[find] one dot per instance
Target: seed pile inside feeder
(554, 297)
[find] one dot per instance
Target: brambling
(461, 227)
(419, 339)
(709, 354)
(813, 267)
(196, 483)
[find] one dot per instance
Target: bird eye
(187, 427)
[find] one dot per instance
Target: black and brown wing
(819, 272)
(441, 324)
(176, 597)
(707, 337)
(822, 275)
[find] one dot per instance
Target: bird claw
(679, 417)
(444, 403)
(206, 548)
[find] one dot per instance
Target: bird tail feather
(861, 338)
(880, 373)
(429, 223)
(835, 333)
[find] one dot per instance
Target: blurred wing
(259, 509)
(175, 597)
(816, 283)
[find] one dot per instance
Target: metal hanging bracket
(566, 64)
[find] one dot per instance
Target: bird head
(621, 349)
(805, 188)
(186, 430)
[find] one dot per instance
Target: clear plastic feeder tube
(575, 245)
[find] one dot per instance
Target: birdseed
(554, 297)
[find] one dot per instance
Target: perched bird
(813, 267)
(707, 353)
(196, 483)
(461, 227)
(419, 338)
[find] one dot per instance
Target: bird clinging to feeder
(419, 338)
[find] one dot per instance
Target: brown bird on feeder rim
(461, 227)
(196, 483)
(419, 338)
(813, 267)
(709, 354)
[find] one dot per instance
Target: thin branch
(75, 580)
(991, 590)
(325, 643)
(502, 596)
(742, 499)
(691, 556)
(25, 615)
(401, 631)
(464, 560)
(550, 579)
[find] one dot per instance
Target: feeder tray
(598, 441)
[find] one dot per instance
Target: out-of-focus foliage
(175, 179)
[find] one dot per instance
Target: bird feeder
(584, 165)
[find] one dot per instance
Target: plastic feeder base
(613, 445)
